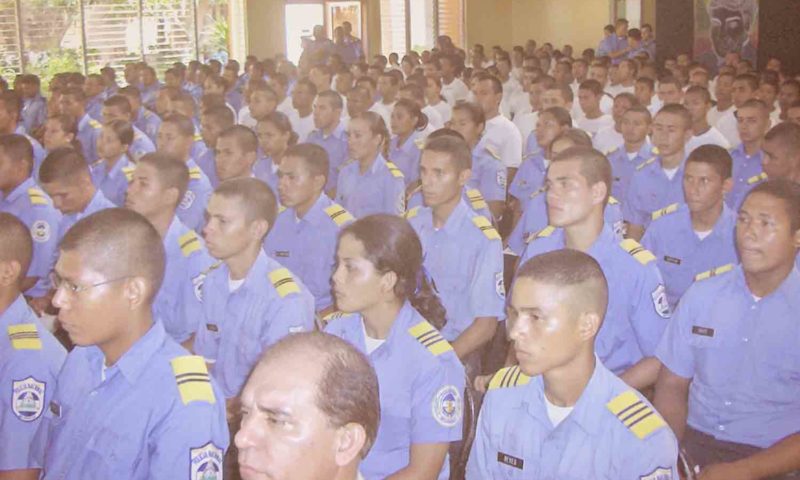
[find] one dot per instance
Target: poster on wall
(722, 27)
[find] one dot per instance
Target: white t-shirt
(607, 140)
(383, 111)
(234, 285)
(715, 114)
(302, 126)
(526, 124)
(592, 126)
(454, 91)
(728, 126)
(434, 118)
(615, 90)
(246, 119)
(503, 134)
(555, 413)
(445, 111)
(286, 106)
(372, 344)
(712, 136)
(702, 235)
(671, 172)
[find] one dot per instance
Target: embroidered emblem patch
(27, 399)
(206, 462)
(447, 406)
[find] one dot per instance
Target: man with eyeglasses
(130, 403)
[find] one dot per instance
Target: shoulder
(37, 198)
(429, 339)
(506, 389)
(394, 171)
(282, 281)
(645, 164)
(663, 212)
(338, 215)
(485, 227)
(492, 152)
(508, 377)
(413, 213)
(714, 272)
(95, 124)
(189, 242)
(630, 413)
(339, 323)
(636, 251)
(546, 232)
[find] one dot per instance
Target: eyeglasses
(59, 283)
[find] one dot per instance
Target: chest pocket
(113, 454)
(719, 350)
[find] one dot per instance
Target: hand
(725, 471)
(40, 304)
(481, 382)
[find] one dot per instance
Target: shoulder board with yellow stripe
(189, 243)
(24, 336)
(635, 414)
(197, 137)
(37, 197)
(713, 272)
(95, 124)
(537, 192)
(191, 375)
(412, 213)
(757, 178)
(476, 199)
(612, 200)
(283, 282)
(420, 143)
(128, 171)
(664, 211)
(195, 173)
(654, 151)
(333, 316)
(486, 227)
(396, 173)
(430, 338)
(543, 233)
(645, 163)
(338, 214)
(493, 153)
(637, 251)
(508, 377)
(281, 208)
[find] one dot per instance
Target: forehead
(700, 169)
(564, 169)
(270, 387)
(666, 118)
(441, 160)
(764, 204)
(227, 206)
(530, 293)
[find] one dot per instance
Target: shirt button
(745, 339)
(721, 428)
(727, 403)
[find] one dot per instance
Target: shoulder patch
(396, 173)
(664, 211)
(486, 227)
(206, 462)
(612, 200)
(713, 272)
(636, 415)
(430, 338)
(637, 251)
(191, 375)
(537, 192)
(37, 197)
(283, 282)
(645, 163)
(338, 214)
(757, 178)
(24, 336)
(195, 173)
(420, 143)
(95, 124)
(412, 213)
(508, 377)
(545, 232)
(476, 199)
(128, 172)
(492, 152)
(189, 243)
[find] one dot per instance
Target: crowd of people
(299, 272)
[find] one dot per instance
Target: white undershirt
(702, 234)
(555, 413)
(372, 344)
(670, 172)
(234, 285)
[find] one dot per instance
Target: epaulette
(492, 152)
(283, 282)
(396, 172)
(420, 143)
(430, 338)
(95, 124)
(757, 178)
(128, 172)
(645, 163)
(537, 192)
(612, 200)
(197, 137)
(713, 272)
(37, 197)
(635, 414)
(189, 243)
(338, 214)
(486, 227)
(545, 232)
(24, 336)
(195, 173)
(333, 316)
(281, 208)
(508, 377)
(476, 199)
(664, 211)
(654, 150)
(191, 375)
(637, 251)
(147, 113)
(412, 213)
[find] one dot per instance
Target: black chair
(470, 425)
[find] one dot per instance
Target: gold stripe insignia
(338, 214)
(24, 336)
(493, 153)
(476, 199)
(189, 243)
(612, 200)
(195, 173)
(757, 178)
(537, 192)
(333, 316)
(283, 282)
(197, 137)
(191, 375)
(635, 414)
(508, 377)
(430, 338)
(420, 143)
(486, 227)
(37, 196)
(645, 163)
(664, 211)
(128, 171)
(713, 272)
(95, 124)
(396, 172)
(543, 233)
(412, 213)
(637, 251)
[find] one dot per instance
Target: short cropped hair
(245, 138)
(593, 86)
(749, 78)
(123, 130)
(11, 102)
(256, 198)
(172, 173)
(62, 164)
(16, 241)
(787, 134)
(220, 115)
(715, 156)
(679, 110)
(334, 97)
(561, 115)
(459, 152)
(183, 123)
(786, 190)
(314, 157)
(594, 166)
(497, 86)
(18, 149)
(120, 101)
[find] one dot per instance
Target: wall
(488, 22)
(266, 34)
(577, 22)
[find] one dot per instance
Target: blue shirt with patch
(747, 173)
(192, 208)
(88, 131)
(623, 167)
(406, 155)
(650, 190)
(113, 182)
(336, 146)
(489, 173)
(381, 189)
(148, 122)
(529, 178)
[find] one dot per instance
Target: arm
(479, 333)
(635, 232)
(671, 400)
(27, 474)
(425, 462)
(783, 457)
(643, 374)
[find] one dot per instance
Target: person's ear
(796, 239)
(599, 192)
(588, 326)
(9, 272)
(259, 229)
(136, 291)
(727, 185)
(464, 176)
(350, 440)
(388, 282)
(319, 182)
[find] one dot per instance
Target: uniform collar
(85, 119)
(409, 143)
(97, 201)
(740, 150)
(724, 223)
(787, 290)
(257, 275)
(337, 132)
(454, 220)
(18, 310)
(21, 188)
(123, 162)
(602, 241)
(316, 214)
(175, 230)
(401, 324)
(138, 358)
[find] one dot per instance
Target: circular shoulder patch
(447, 406)
(206, 462)
(188, 200)
(40, 231)
(27, 399)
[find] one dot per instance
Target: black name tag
(676, 261)
(282, 254)
(211, 327)
(704, 331)
(507, 459)
(55, 409)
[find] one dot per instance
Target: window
(426, 19)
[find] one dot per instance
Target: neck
(137, 326)
(447, 78)
(161, 221)
(240, 264)
(443, 211)
(304, 111)
(330, 128)
(492, 114)
(7, 191)
(90, 192)
(705, 220)
(752, 147)
(627, 83)
(672, 161)
(111, 161)
(366, 163)
(701, 126)
(723, 105)
(762, 284)
(277, 157)
(388, 99)
(593, 113)
(564, 385)
(402, 137)
(379, 318)
(7, 297)
(634, 147)
(582, 235)
(302, 209)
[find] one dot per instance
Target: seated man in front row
(730, 382)
(561, 413)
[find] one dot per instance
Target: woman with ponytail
(405, 148)
(369, 184)
(275, 136)
(392, 315)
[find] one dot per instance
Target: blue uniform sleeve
(492, 181)
(394, 201)
(438, 399)
(192, 208)
(191, 300)
(630, 212)
(43, 222)
(522, 180)
(487, 293)
(654, 457)
(674, 350)
(291, 314)
(483, 454)
(650, 312)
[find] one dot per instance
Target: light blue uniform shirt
(650, 190)
(742, 357)
(192, 208)
(178, 301)
(113, 182)
(529, 178)
(381, 189)
(747, 173)
(94, 106)
(35, 209)
(464, 259)
(307, 246)
(238, 326)
(489, 174)
(336, 146)
(406, 155)
(155, 413)
(471, 196)
(141, 145)
(39, 154)
(34, 112)
(266, 171)
(88, 131)
(680, 253)
(208, 164)
(97, 203)
(637, 312)
(532, 147)
(623, 167)
(148, 122)
(612, 433)
(421, 384)
(30, 359)
(149, 94)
